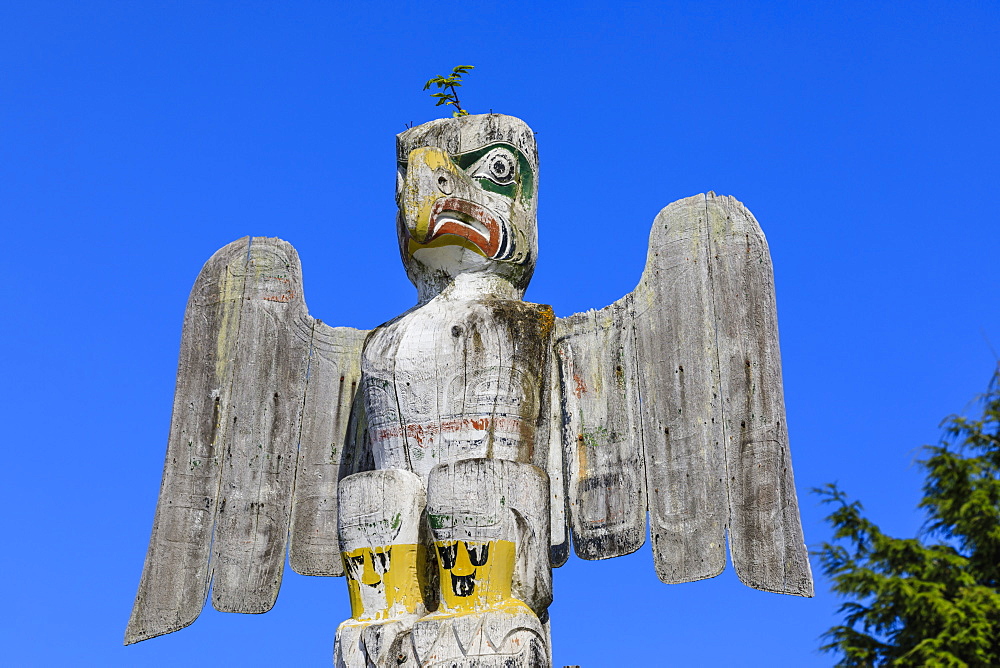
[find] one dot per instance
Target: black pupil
(500, 167)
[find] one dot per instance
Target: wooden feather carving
(445, 460)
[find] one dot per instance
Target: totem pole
(443, 460)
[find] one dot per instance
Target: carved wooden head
(467, 194)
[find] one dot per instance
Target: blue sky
(137, 138)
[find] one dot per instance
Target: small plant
(451, 82)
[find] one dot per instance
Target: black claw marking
(478, 554)
(384, 561)
(359, 561)
(463, 585)
(448, 555)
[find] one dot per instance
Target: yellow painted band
(490, 585)
(391, 575)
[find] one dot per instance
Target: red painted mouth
(453, 215)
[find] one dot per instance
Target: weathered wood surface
(606, 486)
(225, 501)
(258, 469)
(482, 500)
(328, 447)
(458, 390)
(458, 378)
(765, 533)
(694, 349)
(681, 418)
(176, 576)
(669, 400)
(558, 527)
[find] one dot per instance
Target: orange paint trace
(428, 430)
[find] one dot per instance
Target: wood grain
(226, 497)
(558, 517)
(259, 447)
(606, 486)
(325, 445)
(176, 577)
(681, 409)
(693, 352)
(765, 533)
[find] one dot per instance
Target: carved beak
(440, 200)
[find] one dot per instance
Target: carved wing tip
(671, 578)
(559, 554)
(246, 602)
(801, 586)
(709, 198)
(803, 590)
(136, 632)
(132, 636)
(235, 243)
(306, 566)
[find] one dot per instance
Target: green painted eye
(496, 171)
(499, 168)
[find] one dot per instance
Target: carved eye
(499, 166)
(502, 168)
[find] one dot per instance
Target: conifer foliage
(933, 600)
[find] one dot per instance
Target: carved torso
(456, 379)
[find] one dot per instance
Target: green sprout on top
(451, 83)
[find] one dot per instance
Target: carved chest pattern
(456, 380)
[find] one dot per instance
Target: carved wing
(263, 406)
(672, 400)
